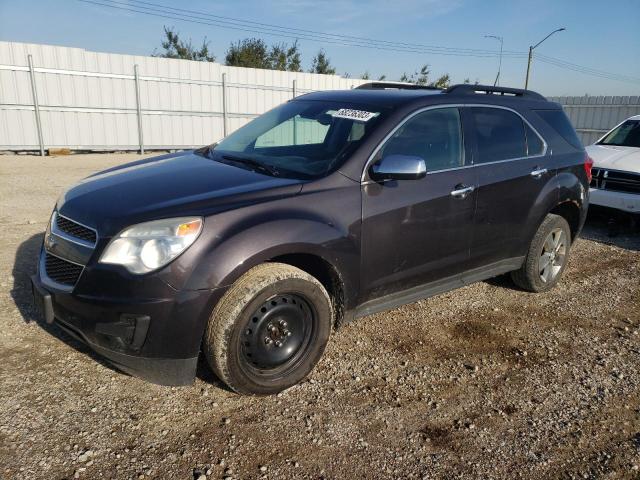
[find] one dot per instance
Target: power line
(231, 23)
(268, 31)
(586, 70)
(241, 22)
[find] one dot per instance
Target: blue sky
(600, 35)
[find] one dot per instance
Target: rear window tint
(561, 124)
(500, 134)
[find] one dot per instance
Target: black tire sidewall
(246, 381)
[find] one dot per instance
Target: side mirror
(399, 167)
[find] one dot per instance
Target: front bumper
(154, 335)
(628, 202)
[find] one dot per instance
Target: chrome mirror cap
(399, 167)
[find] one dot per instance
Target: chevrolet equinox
(332, 206)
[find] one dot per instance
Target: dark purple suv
(332, 206)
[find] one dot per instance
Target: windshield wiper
(268, 169)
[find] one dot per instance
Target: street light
(526, 82)
(501, 40)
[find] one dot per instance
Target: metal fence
(60, 97)
(592, 117)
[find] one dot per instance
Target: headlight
(148, 246)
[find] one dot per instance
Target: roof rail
(468, 89)
(394, 85)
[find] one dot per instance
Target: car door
(418, 231)
(512, 170)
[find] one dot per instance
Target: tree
(250, 53)
(176, 48)
(255, 53)
(283, 57)
(294, 63)
(365, 75)
(421, 77)
(382, 77)
(444, 81)
(322, 64)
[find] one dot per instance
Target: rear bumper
(627, 202)
(155, 339)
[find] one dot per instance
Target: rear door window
(500, 134)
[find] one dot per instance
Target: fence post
(295, 88)
(36, 104)
(224, 104)
(138, 108)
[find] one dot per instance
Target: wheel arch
(570, 211)
(325, 272)
(320, 249)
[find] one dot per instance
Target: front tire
(547, 256)
(269, 329)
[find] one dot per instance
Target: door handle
(538, 172)
(461, 191)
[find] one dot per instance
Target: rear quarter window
(559, 121)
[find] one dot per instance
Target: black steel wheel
(269, 330)
(277, 332)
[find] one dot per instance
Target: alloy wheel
(552, 258)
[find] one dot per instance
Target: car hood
(615, 157)
(161, 187)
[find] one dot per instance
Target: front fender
(225, 261)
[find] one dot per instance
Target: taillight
(588, 164)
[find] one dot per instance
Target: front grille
(75, 229)
(61, 271)
(615, 180)
(595, 177)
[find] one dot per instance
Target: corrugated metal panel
(88, 99)
(593, 116)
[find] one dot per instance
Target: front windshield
(303, 138)
(626, 134)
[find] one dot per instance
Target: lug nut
(278, 343)
(282, 323)
(286, 332)
(267, 340)
(271, 328)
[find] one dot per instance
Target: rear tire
(269, 329)
(547, 256)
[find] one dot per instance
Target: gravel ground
(483, 382)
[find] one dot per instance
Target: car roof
(382, 98)
(394, 95)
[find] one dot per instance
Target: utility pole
(531, 48)
(501, 40)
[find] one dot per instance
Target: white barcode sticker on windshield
(357, 115)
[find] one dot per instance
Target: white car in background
(616, 167)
